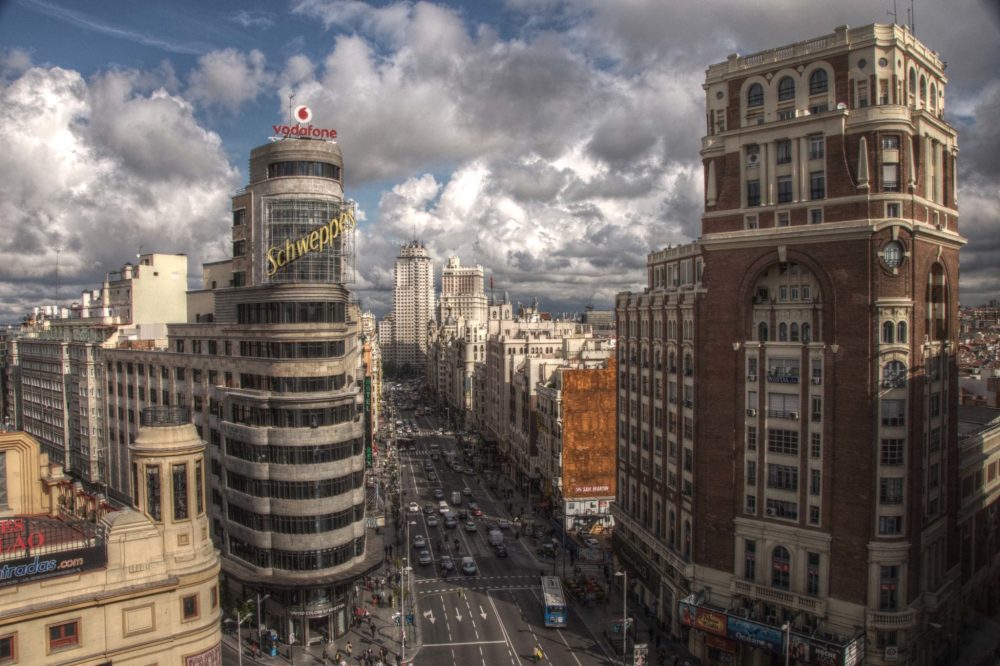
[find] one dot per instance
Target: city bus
(554, 604)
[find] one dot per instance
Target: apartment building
(405, 341)
(797, 363)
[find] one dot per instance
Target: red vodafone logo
(303, 114)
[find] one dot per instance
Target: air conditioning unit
(770, 511)
(751, 412)
(817, 380)
(793, 416)
(751, 378)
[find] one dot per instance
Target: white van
(443, 507)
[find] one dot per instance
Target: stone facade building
(405, 341)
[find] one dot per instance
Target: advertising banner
(368, 423)
(688, 613)
(38, 567)
(798, 647)
(753, 633)
(710, 621)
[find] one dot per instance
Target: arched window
(687, 538)
(782, 332)
(818, 82)
(672, 528)
(673, 362)
(781, 565)
(901, 332)
(794, 334)
(762, 332)
(806, 333)
(923, 90)
(913, 85)
(755, 95)
(658, 517)
(688, 365)
(932, 100)
(937, 301)
(894, 375)
(786, 89)
(888, 333)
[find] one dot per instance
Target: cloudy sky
(554, 142)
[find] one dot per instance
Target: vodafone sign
(303, 114)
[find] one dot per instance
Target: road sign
(639, 654)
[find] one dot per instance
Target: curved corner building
(271, 365)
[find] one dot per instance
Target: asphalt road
(494, 616)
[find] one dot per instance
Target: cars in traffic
(420, 541)
(425, 557)
(432, 521)
(468, 566)
(428, 508)
(500, 550)
(450, 521)
(438, 493)
(467, 491)
(413, 507)
(591, 542)
(446, 563)
(503, 524)
(470, 526)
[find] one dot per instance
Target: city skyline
(553, 143)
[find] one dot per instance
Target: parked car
(420, 541)
(468, 566)
(425, 557)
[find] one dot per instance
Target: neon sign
(314, 241)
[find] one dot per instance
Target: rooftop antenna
(291, 96)
(913, 19)
(138, 254)
(893, 14)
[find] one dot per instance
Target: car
(435, 456)
(591, 542)
(470, 526)
(463, 514)
(425, 557)
(446, 563)
(432, 521)
(420, 541)
(476, 511)
(500, 550)
(413, 507)
(503, 524)
(450, 522)
(468, 566)
(432, 477)
(438, 493)
(428, 508)
(428, 465)
(467, 491)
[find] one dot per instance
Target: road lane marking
(503, 630)
(559, 632)
(430, 645)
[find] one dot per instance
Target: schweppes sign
(315, 241)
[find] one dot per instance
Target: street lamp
(624, 575)
(239, 633)
(787, 628)
(260, 600)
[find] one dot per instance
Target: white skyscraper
(413, 306)
(462, 292)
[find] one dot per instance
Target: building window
(189, 607)
(816, 409)
(153, 492)
(784, 219)
(817, 147)
(894, 373)
(8, 649)
(199, 489)
(749, 559)
(752, 504)
(751, 438)
(782, 477)
(786, 89)
(3, 479)
(782, 509)
(892, 451)
(239, 248)
(64, 636)
(751, 472)
(892, 209)
(213, 595)
(890, 525)
(893, 413)
(890, 142)
(885, 639)
(783, 441)
(180, 486)
(888, 333)
(753, 193)
(890, 178)
(786, 114)
(785, 191)
(890, 490)
(813, 514)
(780, 568)
(784, 151)
(812, 574)
(888, 597)
(815, 216)
(750, 222)
(817, 185)
(901, 332)
(815, 445)
(239, 217)
(815, 482)
(818, 82)
(755, 95)
(239, 278)
(862, 97)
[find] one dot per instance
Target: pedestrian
(371, 625)
(350, 649)
(325, 655)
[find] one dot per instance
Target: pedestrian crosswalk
(512, 577)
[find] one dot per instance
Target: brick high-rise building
(787, 383)
(412, 308)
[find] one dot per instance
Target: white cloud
(228, 78)
(94, 169)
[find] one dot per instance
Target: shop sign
(50, 565)
(210, 657)
(688, 613)
(825, 655)
(710, 621)
(756, 634)
(723, 644)
(798, 647)
(315, 241)
(14, 536)
(577, 490)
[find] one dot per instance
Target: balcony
(657, 547)
(888, 620)
(790, 600)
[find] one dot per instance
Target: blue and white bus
(554, 603)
